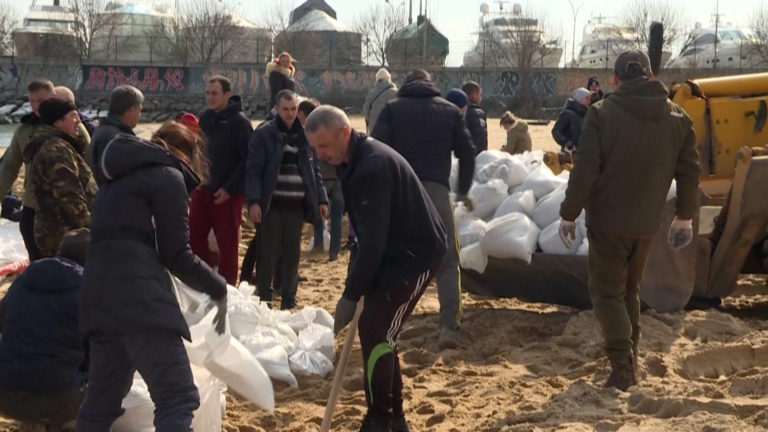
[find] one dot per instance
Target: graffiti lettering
(146, 79)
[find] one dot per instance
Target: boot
(400, 425)
(622, 374)
(371, 424)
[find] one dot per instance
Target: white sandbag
(265, 338)
(139, 409)
(550, 242)
(584, 248)
(511, 236)
(193, 304)
(12, 247)
(487, 197)
(547, 209)
(519, 202)
(243, 318)
(197, 350)
(542, 181)
(319, 338)
(310, 315)
(472, 257)
(486, 157)
(232, 363)
(453, 178)
(469, 229)
(508, 169)
(310, 362)
(274, 360)
(531, 160)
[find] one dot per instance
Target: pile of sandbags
(516, 211)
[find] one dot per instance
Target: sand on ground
(536, 367)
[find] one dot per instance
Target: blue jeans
(336, 204)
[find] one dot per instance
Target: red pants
(224, 219)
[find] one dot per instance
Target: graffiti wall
(342, 87)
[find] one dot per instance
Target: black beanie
(591, 80)
(74, 245)
(53, 109)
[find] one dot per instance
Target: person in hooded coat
(518, 137)
(567, 128)
(381, 93)
(280, 74)
(140, 233)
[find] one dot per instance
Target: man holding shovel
(401, 243)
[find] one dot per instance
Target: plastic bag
(486, 157)
(11, 243)
(519, 202)
(472, 257)
(507, 169)
(542, 181)
(317, 337)
(584, 248)
(274, 360)
(469, 229)
(511, 236)
(487, 197)
(232, 363)
(547, 209)
(310, 362)
(550, 242)
(453, 178)
(310, 315)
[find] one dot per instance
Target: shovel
(333, 398)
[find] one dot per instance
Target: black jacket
(425, 129)
(41, 349)
(477, 123)
(567, 128)
(107, 129)
(265, 154)
(279, 79)
(139, 232)
(227, 133)
(399, 232)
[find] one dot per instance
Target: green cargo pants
(616, 267)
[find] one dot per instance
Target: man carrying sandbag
(401, 243)
(634, 142)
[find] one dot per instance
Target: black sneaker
(333, 257)
(370, 424)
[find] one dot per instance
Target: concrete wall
(346, 88)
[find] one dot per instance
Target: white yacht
(500, 34)
(736, 48)
(603, 41)
(48, 31)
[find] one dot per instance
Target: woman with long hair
(140, 232)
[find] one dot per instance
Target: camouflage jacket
(62, 184)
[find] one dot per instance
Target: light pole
(575, 11)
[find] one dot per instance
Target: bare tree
(7, 24)
(759, 24)
(639, 14)
(92, 23)
(377, 25)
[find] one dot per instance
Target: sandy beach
(537, 367)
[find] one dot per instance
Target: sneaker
(450, 338)
(622, 374)
(288, 306)
(399, 425)
(333, 257)
(370, 424)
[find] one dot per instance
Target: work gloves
(567, 232)
(466, 201)
(345, 311)
(680, 233)
(220, 319)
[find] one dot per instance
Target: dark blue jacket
(399, 232)
(477, 122)
(567, 128)
(425, 128)
(227, 134)
(109, 127)
(140, 232)
(41, 349)
(265, 154)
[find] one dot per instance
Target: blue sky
(458, 19)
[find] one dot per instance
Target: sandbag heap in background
(516, 211)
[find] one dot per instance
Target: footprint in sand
(723, 361)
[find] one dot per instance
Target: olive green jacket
(518, 139)
(634, 142)
(13, 157)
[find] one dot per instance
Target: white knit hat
(383, 74)
(580, 93)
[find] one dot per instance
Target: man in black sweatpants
(401, 243)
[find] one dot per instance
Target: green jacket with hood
(518, 139)
(634, 142)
